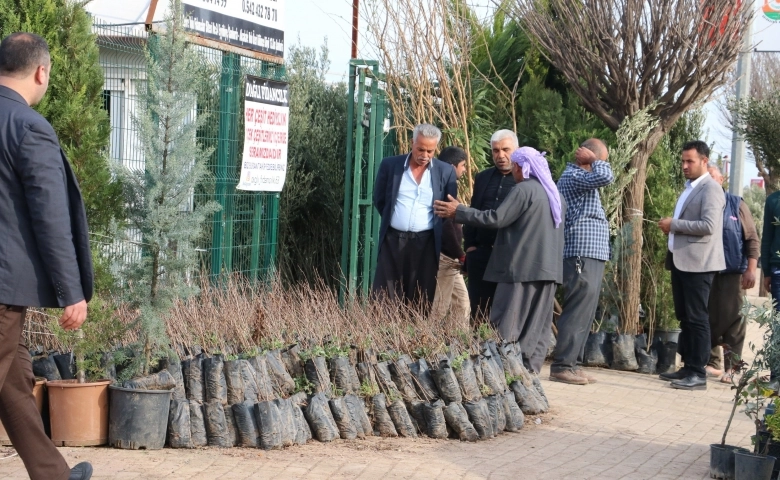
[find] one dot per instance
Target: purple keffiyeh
(534, 164)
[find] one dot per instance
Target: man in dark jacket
(410, 234)
(527, 263)
(44, 251)
(491, 186)
(741, 248)
(451, 294)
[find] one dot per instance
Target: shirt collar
(694, 183)
(409, 156)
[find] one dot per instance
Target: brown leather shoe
(582, 373)
(568, 376)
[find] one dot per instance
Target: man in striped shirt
(585, 251)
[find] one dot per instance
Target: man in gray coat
(527, 259)
(44, 246)
(695, 254)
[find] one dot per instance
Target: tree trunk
(630, 265)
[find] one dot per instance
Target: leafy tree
(758, 119)
(160, 196)
(309, 243)
(74, 102)
(755, 198)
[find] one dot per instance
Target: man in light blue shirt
(410, 234)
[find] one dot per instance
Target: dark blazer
(528, 247)
(471, 234)
(388, 181)
(45, 259)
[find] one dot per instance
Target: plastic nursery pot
(666, 336)
(749, 466)
(39, 392)
(722, 460)
(138, 418)
(78, 412)
(773, 450)
(596, 354)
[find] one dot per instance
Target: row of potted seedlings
(282, 397)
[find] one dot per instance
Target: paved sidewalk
(628, 426)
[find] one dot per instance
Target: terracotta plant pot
(79, 412)
(39, 391)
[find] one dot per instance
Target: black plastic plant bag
(514, 415)
(321, 421)
(357, 410)
(287, 419)
(623, 352)
(265, 383)
(269, 425)
(447, 383)
(341, 374)
(234, 382)
(382, 421)
(495, 404)
(230, 422)
(44, 366)
(340, 411)
(246, 425)
(192, 370)
(467, 380)
(402, 377)
(479, 416)
(435, 423)
(401, 419)
(528, 401)
(292, 360)
(596, 348)
(198, 433)
(216, 385)
(316, 370)
(424, 383)
(457, 419)
(179, 433)
(283, 383)
(216, 424)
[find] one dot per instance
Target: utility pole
(744, 67)
(354, 28)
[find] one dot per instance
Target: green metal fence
(242, 236)
(369, 139)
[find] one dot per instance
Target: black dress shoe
(82, 471)
(691, 382)
(678, 375)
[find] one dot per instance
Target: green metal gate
(369, 139)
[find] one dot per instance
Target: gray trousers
(581, 297)
(523, 312)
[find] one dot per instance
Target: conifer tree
(160, 197)
(74, 101)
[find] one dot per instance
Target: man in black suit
(410, 234)
(491, 187)
(44, 252)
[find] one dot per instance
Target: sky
(310, 22)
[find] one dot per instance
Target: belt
(401, 234)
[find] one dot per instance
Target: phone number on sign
(264, 13)
(219, 3)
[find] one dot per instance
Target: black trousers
(481, 292)
(691, 292)
(406, 267)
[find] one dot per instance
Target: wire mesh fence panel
(242, 236)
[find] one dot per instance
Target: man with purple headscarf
(527, 259)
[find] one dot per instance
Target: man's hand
(74, 316)
(446, 209)
(584, 156)
(748, 279)
(470, 249)
(768, 284)
(665, 224)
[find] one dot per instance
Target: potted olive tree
(160, 208)
(751, 389)
(78, 409)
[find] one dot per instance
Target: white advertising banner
(252, 24)
(766, 26)
(266, 112)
